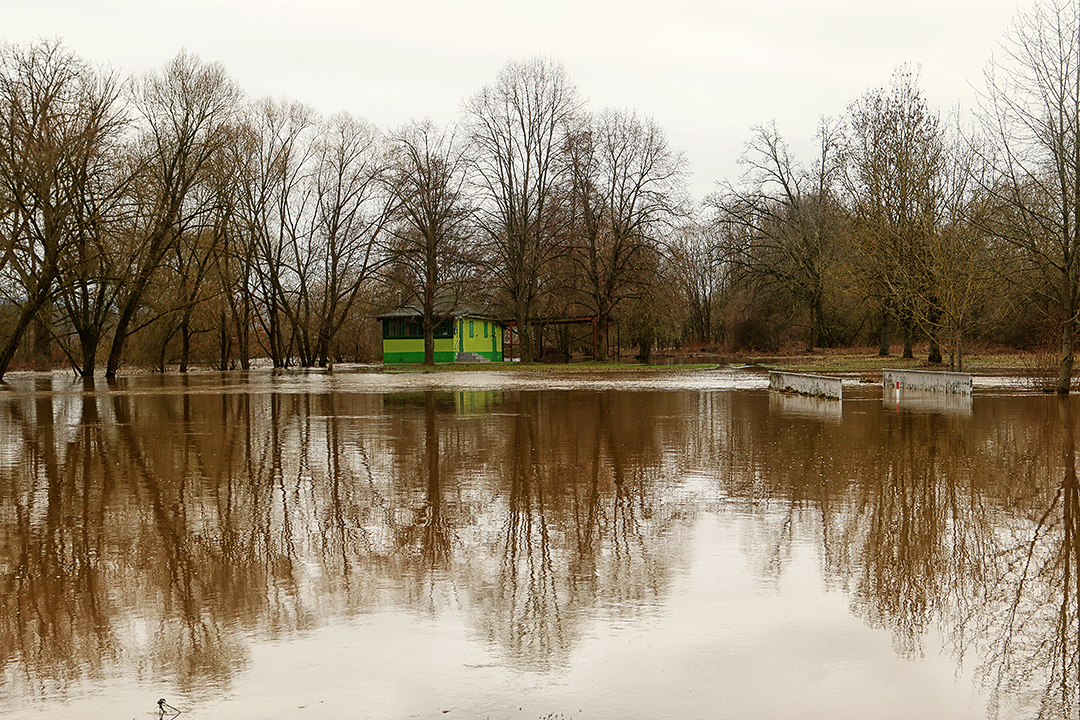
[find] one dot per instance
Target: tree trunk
(43, 334)
(645, 351)
(119, 339)
(524, 333)
(224, 340)
(429, 342)
(88, 343)
(243, 332)
(1068, 342)
(935, 350)
(883, 335)
(185, 344)
(28, 314)
(909, 339)
(603, 338)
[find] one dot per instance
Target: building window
(411, 328)
(485, 328)
(470, 328)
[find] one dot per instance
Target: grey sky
(706, 71)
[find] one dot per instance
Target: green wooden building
(462, 335)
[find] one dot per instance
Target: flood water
(654, 545)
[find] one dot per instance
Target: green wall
(475, 339)
(411, 350)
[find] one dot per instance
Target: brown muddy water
(672, 545)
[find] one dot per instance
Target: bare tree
(311, 212)
(88, 284)
(699, 270)
(351, 212)
(791, 220)
(517, 127)
(184, 113)
(188, 271)
(895, 157)
(61, 126)
(274, 151)
(957, 261)
(432, 216)
(232, 262)
(627, 188)
(1031, 113)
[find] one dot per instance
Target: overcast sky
(705, 70)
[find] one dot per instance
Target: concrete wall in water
(814, 385)
(927, 381)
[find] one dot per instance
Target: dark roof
(461, 310)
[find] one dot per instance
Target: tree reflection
(1029, 626)
(585, 529)
(54, 610)
(156, 525)
(912, 526)
(187, 641)
(424, 532)
(966, 525)
(213, 516)
(525, 602)
(928, 521)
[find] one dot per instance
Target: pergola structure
(544, 322)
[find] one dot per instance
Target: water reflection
(806, 406)
(159, 530)
(1029, 628)
(926, 401)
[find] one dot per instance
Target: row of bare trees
(886, 216)
(575, 206)
(170, 207)
(907, 222)
(100, 185)
(213, 229)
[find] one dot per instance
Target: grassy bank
(869, 363)
(864, 362)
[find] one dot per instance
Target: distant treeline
(166, 220)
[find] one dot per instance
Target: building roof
(459, 310)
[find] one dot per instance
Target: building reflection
(157, 529)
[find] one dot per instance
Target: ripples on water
(665, 545)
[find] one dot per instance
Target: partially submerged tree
(60, 124)
(184, 119)
(351, 212)
(273, 149)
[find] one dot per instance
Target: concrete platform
(927, 381)
(821, 386)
